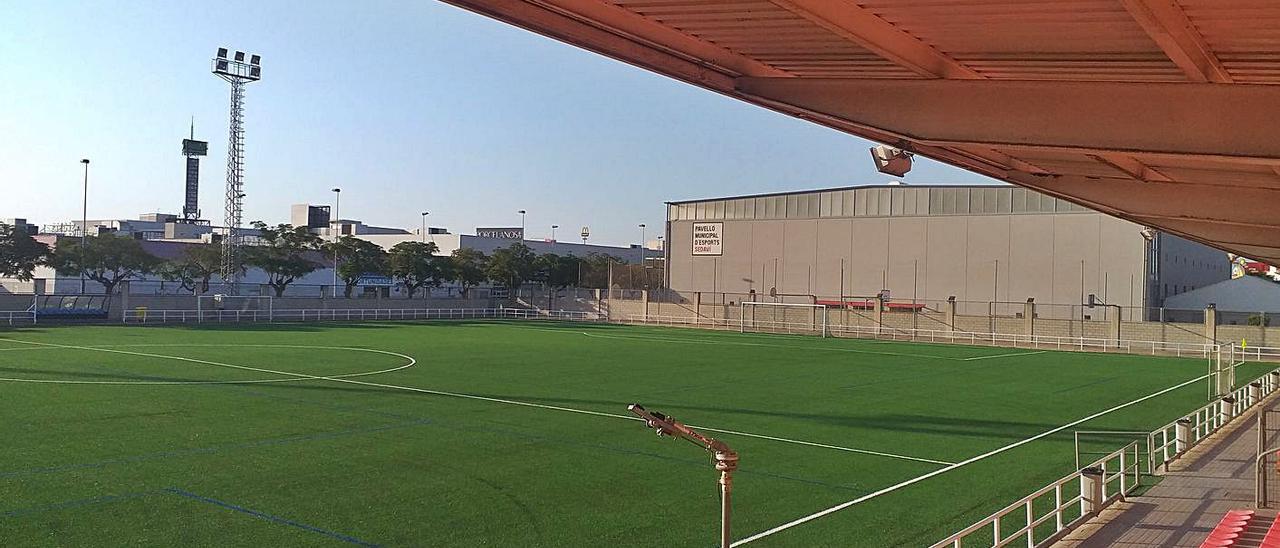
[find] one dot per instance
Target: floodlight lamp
(222, 53)
(890, 160)
(222, 65)
(255, 72)
(255, 59)
(239, 56)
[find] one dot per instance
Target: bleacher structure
(1244, 529)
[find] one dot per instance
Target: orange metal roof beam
(1131, 166)
(622, 21)
(555, 24)
(1186, 119)
(868, 30)
(1166, 23)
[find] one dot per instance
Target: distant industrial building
(168, 235)
(1243, 300)
(974, 243)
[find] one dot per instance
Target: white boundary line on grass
(411, 362)
(342, 379)
(1009, 355)
(970, 460)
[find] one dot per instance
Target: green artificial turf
(328, 463)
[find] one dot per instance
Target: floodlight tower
(236, 72)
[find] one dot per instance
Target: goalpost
(762, 317)
(1222, 371)
(219, 307)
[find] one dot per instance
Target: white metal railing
(1255, 353)
(1163, 446)
(1172, 440)
(1038, 342)
(1068, 501)
(142, 316)
(17, 317)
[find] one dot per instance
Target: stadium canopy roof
(1163, 112)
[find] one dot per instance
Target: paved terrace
(1215, 476)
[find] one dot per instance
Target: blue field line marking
(213, 449)
(76, 503)
(269, 517)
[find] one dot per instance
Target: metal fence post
(1181, 436)
(951, 313)
(1260, 494)
(1029, 317)
(1090, 490)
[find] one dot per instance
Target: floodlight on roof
(255, 59)
(222, 53)
(220, 65)
(240, 56)
(890, 160)
(255, 72)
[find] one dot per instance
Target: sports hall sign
(707, 238)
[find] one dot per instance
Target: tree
(595, 269)
(195, 269)
(467, 267)
(107, 259)
(416, 265)
(19, 253)
(557, 271)
(512, 265)
(356, 258)
(283, 254)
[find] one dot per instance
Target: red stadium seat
(1229, 528)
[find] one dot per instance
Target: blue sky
(408, 106)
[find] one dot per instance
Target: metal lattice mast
(238, 73)
(233, 204)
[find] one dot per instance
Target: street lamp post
(333, 226)
(643, 270)
(84, 217)
(522, 213)
(423, 234)
(553, 232)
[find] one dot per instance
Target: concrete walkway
(1214, 477)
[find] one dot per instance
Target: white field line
(345, 379)
(1009, 355)
(410, 363)
(970, 460)
(741, 343)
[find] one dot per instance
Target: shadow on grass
(85, 375)
(920, 424)
(923, 424)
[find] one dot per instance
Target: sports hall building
(929, 243)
